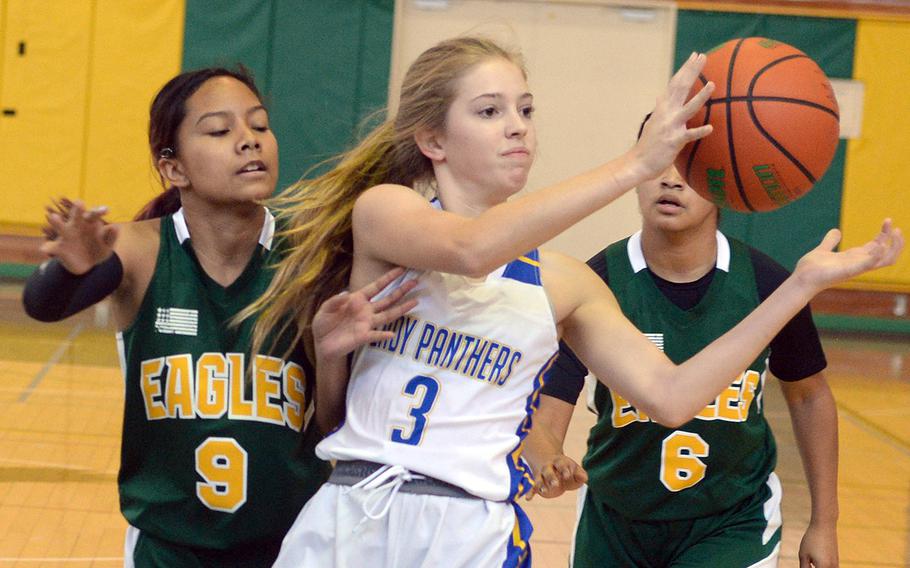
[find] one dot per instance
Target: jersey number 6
(680, 467)
(424, 390)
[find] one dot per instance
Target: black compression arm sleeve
(53, 293)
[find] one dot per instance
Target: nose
(516, 126)
(248, 140)
(671, 179)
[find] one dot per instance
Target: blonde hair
(315, 214)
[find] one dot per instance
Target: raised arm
(82, 269)
(622, 358)
(394, 225)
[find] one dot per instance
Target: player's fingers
(564, 469)
(693, 134)
(95, 213)
(56, 222)
(581, 475)
(549, 478)
(685, 77)
(380, 283)
(376, 336)
(394, 296)
(830, 241)
(76, 212)
(695, 103)
(393, 313)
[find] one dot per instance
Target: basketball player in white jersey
(428, 444)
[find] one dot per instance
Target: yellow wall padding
(42, 93)
(137, 47)
(875, 180)
(76, 80)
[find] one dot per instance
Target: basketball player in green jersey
(703, 494)
(216, 455)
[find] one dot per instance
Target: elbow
(470, 258)
(671, 419)
(667, 411)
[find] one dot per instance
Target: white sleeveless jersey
(451, 395)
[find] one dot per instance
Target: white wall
(595, 70)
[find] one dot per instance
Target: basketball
(775, 122)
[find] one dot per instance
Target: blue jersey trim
(525, 268)
(521, 478)
(518, 550)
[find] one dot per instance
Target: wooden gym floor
(60, 412)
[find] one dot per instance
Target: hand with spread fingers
(348, 320)
(822, 267)
(78, 237)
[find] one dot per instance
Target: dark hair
(165, 116)
(641, 128)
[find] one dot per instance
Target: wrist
(630, 169)
(799, 287)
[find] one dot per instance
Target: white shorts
(409, 530)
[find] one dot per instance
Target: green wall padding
(14, 271)
(322, 65)
(789, 232)
(224, 32)
(834, 322)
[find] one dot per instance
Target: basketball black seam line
(697, 143)
(771, 64)
(730, 148)
(793, 159)
(770, 99)
(696, 146)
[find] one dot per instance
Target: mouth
(668, 203)
(517, 152)
(251, 167)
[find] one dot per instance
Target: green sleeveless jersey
(212, 454)
(647, 471)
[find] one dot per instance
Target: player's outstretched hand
(665, 132)
(821, 267)
(558, 475)
(77, 237)
(348, 320)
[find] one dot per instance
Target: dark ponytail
(162, 204)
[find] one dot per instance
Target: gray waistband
(351, 472)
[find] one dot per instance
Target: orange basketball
(775, 124)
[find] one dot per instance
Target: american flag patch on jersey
(177, 321)
(657, 339)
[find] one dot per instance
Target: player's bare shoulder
(137, 246)
(568, 282)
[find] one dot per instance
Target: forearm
(815, 429)
(548, 432)
(673, 394)
(52, 293)
(332, 375)
(512, 228)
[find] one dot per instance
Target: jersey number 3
(424, 391)
(222, 463)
